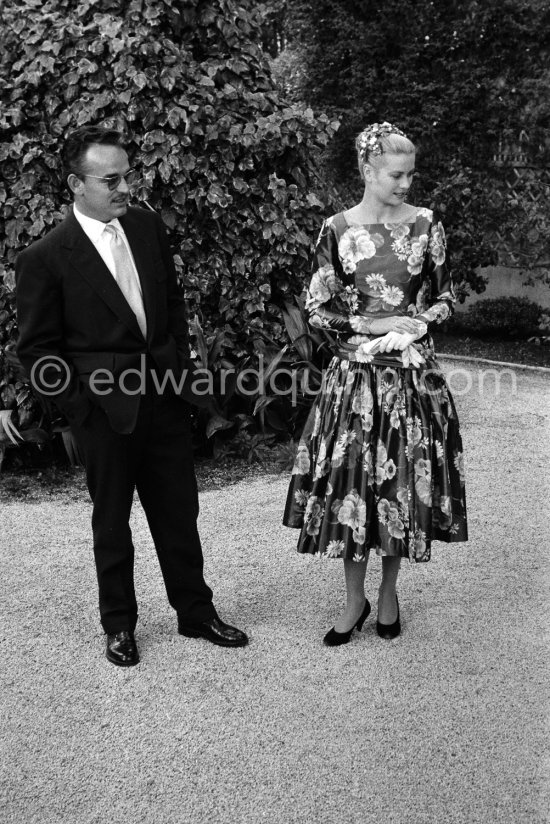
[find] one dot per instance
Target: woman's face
(390, 181)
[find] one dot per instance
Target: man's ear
(74, 183)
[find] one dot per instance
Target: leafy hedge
(228, 164)
(460, 76)
(507, 317)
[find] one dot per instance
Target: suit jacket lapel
(89, 263)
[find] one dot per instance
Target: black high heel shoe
(334, 639)
(390, 631)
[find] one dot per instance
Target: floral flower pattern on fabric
(379, 466)
(352, 512)
(437, 244)
(391, 295)
(357, 244)
(323, 286)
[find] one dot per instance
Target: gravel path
(444, 724)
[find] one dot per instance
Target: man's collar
(94, 228)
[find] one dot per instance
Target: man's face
(93, 197)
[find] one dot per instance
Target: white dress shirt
(95, 229)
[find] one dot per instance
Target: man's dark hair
(79, 141)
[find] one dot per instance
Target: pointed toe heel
(335, 639)
(390, 631)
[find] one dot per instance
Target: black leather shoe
(334, 639)
(122, 649)
(214, 630)
(389, 631)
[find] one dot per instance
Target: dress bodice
(377, 270)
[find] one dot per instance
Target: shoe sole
(192, 633)
(118, 663)
(336, 643)
(338, 639)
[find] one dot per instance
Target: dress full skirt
(379, 465)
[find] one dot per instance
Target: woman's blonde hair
(375, 141)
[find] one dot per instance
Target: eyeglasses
(113, 181)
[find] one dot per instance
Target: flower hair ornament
(371, 137)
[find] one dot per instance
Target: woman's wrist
(362, 325)
(422, 327)
(378, 326)
(381, 326)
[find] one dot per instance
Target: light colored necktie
(126, 277)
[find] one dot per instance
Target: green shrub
(466, 79)
(228, 164)
(507, 317)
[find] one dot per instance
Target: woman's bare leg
(387, 604)
(354, 572)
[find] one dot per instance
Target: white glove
(401, 342)
(412, 357)
(395, 340)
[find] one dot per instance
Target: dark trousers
(157, 460)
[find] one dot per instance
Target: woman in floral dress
(379, 465)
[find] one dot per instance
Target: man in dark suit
(103, 333)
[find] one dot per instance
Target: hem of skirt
(322, 556)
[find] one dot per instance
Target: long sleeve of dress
(329, 302)
(436, 298)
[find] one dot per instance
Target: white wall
(507, 282)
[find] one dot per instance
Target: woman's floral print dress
(379, 465)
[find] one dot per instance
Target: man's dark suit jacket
(70, 306)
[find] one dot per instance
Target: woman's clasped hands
(401, 341)
(396, 332)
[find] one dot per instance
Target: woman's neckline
(404, 221)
